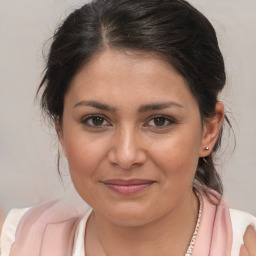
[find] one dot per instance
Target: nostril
(126, 159)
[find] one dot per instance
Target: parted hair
(173, 29)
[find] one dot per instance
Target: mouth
(127, 187)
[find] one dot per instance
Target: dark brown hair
(173, 29)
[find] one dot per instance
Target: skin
(127, 141)
(249, 246)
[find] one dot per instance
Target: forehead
(127, 77)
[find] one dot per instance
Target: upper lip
(123, 182)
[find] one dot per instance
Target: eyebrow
(159, 106)
(95, 104)
(142, 109)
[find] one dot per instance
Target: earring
(206, 148)
(205, 160)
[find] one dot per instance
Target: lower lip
(128, 189)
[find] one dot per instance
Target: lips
(127, 187)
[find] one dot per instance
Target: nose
(127, 149)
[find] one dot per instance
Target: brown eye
(97, 120)
(159, 121)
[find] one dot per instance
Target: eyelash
(86, 119)
(170, 121)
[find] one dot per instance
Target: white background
(28, 148)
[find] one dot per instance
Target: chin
(129, 216)
(130, 220)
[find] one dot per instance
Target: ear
(211, 129)
(59, 131)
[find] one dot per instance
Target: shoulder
(9, 229)
(244, 233)
(39, 223)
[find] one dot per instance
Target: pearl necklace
(193, 239)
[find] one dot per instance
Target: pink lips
(127, 187)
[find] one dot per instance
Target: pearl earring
(206, 148)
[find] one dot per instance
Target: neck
(168, 235)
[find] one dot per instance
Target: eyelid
(171, 121)
(88, 117)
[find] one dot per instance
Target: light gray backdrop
(28, 147)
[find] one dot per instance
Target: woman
(132, 88)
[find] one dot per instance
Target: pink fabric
(46, 230)
(215, 235)
(49, 230)
(57, 235)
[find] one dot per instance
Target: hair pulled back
(173, 29)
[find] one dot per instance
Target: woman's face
(132, 135)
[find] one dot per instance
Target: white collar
(78, 249)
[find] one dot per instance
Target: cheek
(177, 155)
(83, 155)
